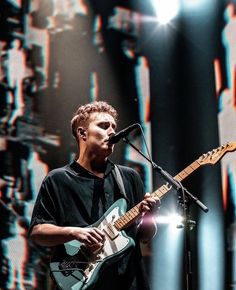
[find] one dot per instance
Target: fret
(128, 217)
(160, 192)
(181, 175)
(189, 170)
(194, 165)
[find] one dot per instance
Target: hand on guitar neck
(150, 204)
(147, 226)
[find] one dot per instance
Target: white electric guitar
(80, 268)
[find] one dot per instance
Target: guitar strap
(118, 178)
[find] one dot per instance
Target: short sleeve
(45, 206)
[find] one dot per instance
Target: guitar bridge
(77, 262)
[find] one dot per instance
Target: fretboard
(134, 213)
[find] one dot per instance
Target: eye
(104, 125)
(107, 125)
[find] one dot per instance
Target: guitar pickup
(111, 231)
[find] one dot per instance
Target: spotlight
(166, 9)
(173, 220)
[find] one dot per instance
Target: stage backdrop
(176, 79)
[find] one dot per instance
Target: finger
(94, 248)
(149, 204)
(96, 235)
(158, 200)
(100, 233)
(150, 199)
(153, 200)
(154, 206)
(144, 206)
(100, 236)
(147, 194)
(91, 239)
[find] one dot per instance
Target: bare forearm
(51, 235)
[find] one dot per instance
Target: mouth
(108, 143)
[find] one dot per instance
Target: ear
(81, 133)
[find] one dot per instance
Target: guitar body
(81, 269)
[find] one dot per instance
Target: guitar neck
(134, 213)
(210, 157)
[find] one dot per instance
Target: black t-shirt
(73, 196)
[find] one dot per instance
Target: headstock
(215, 155)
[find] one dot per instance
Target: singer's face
(100, 128)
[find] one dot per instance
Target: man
(75, 196)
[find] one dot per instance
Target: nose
(111, 131)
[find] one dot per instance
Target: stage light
(175, 221)
(194, 3)
(166, 9)
(171, 254)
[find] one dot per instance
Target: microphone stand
(184, 198)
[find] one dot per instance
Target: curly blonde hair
(83, 113)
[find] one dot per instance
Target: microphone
(123, 133)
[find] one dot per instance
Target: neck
(94, 165)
